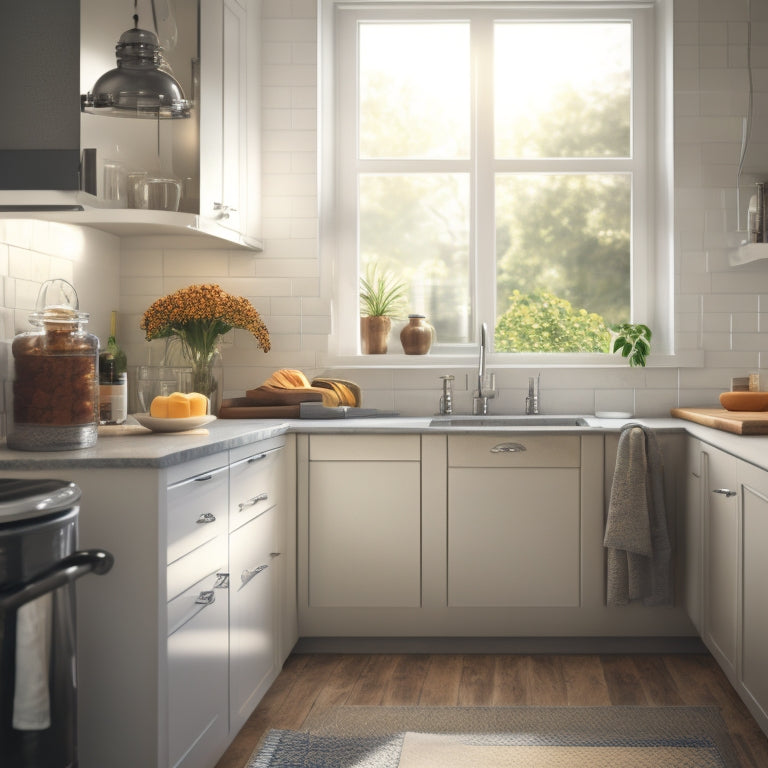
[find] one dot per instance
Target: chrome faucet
(486, 384)
(532, 400)
(446, 400)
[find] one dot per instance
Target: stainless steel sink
(509, 421)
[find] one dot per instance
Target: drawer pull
(206, 517)
(725, 492)
(203, 478)
(254, 459)
(252, 502)
(206, 597)
(222, 581)
(248, 574)
(508, 448)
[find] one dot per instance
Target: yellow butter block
(178, 406)
(158, 409)
(198, 404)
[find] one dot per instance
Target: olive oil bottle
(113, 379)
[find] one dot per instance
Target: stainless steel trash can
(38, 566)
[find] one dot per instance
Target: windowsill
(686, 359)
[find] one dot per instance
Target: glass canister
(56, 382)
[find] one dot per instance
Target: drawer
(254, 486)
(197, 512)
(514, 450)
(364, 448)
(204, 562)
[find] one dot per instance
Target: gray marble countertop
(156, 449)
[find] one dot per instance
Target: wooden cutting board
(737, 422)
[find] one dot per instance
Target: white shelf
(747, 253)
(134, 222)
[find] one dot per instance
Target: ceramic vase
(416, 337)
(374, 334)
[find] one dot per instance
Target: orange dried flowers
(198, 315)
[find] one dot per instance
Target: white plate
(172, 425)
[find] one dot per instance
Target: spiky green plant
(381, 295)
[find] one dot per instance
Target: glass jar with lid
(56, 383)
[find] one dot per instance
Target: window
(498, 160)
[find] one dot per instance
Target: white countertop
(167, 449)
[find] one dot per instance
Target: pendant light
(140, 85)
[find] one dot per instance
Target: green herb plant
(381, 295)
(633, 340)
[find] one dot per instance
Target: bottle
(113, 380)
(55, 388)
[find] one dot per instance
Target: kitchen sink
(509, 421)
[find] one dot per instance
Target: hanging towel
(636, 535)
(31, 697)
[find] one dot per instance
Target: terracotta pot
(374, 334)
(416, 337)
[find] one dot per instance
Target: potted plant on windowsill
(382, 298)
(633, 341)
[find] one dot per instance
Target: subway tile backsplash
(719, 310)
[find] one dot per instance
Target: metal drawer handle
(252, 502)
(508, 448)
(203, 478)
(247, 574)
(222, 581)
(206, 517)
(725, 492)
(254, 459)
(206, 597)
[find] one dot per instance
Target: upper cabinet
(135, 169)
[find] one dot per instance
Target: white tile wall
(719, 309)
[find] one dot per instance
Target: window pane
(562, 89)
(561, 238)
(414, 90)
(416, 226)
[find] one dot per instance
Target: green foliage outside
(542, 322)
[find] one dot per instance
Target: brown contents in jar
(55, 380)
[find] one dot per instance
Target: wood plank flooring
(313, 682)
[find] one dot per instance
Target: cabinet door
(721, 556)
(197, 674)
(224, 103)
(513, 537)
(754, 663)
(364, 533)
(252, 627)
(694, 533)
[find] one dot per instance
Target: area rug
(503, 737)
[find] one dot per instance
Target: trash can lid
(22, 499)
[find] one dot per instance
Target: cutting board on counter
(737, 422)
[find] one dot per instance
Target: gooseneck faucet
(485, 389)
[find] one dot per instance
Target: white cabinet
(721, 555)
(513, 521)
(254, 550)
(754, 603)
(694, 534)
(173, 641)
(364, 521)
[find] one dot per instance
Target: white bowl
(172, 425)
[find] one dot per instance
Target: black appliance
(38, 566)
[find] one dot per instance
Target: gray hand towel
(636, 535)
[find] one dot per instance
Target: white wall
(719, 309)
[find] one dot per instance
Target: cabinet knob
(252, 501)
(725, 492)
(222, 581)
(508, 448)
(206, 517)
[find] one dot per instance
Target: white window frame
(652, 254)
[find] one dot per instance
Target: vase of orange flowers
(198, 316)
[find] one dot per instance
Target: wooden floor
(317, 681)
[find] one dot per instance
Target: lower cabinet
(513, 521)
(179, 641)
(733, 542)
